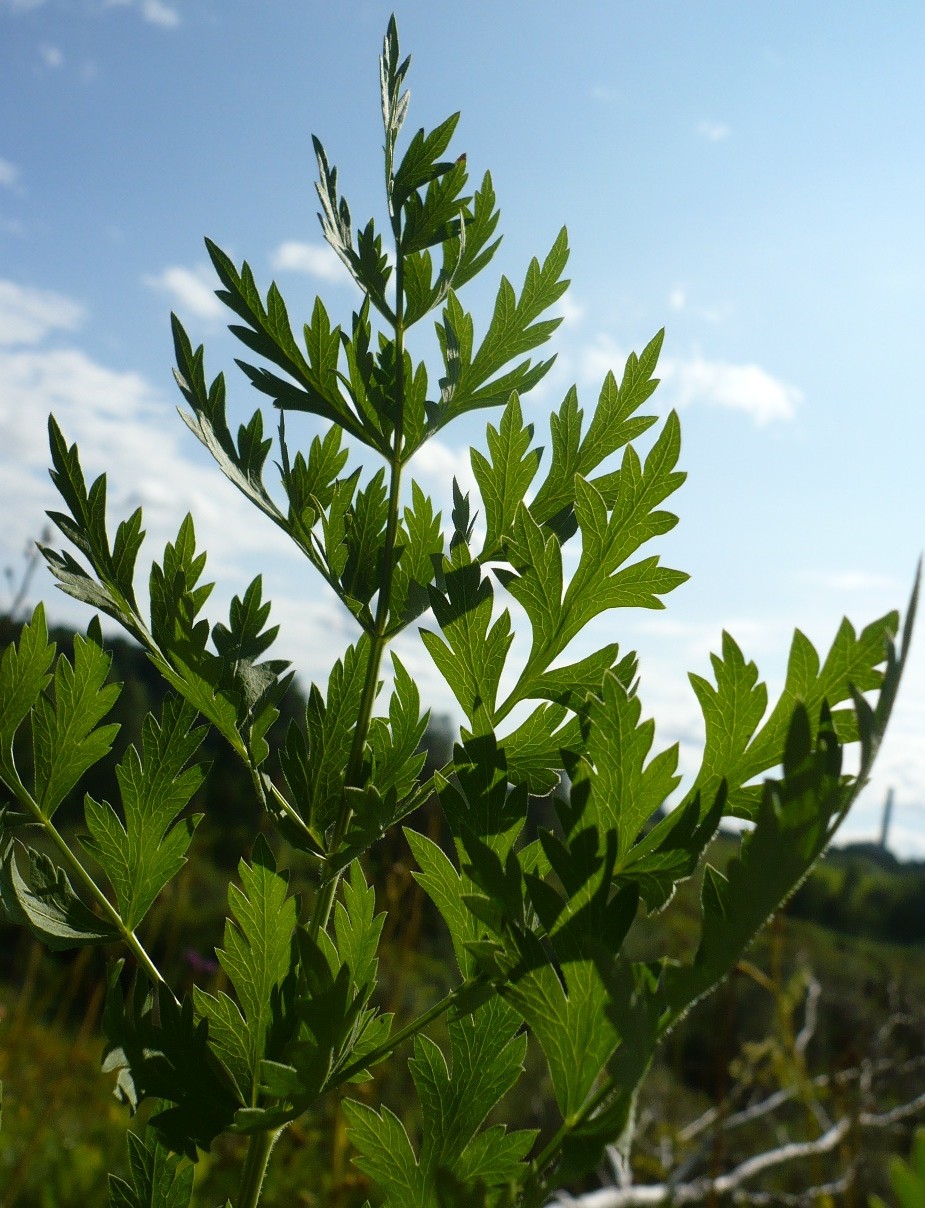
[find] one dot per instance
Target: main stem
(259, 1149)
(378, 639)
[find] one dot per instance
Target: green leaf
(357, 929)
(242, 462)
(446, 889)
(792, 828)
(569, 685)
(24, 676)
(66, 734)
(569, 1020)
(257, 956)
(534, 751)
(419, 544)
(479, 803)
(472, 656)
(364, 538)
(142, 853)
(86, 528)
(486, 1060)
(613, 425)
(159, 1179)
(624, 791)
(470, 381)
(736, 749)
(420, 163)
(45, 901)
(158, 1050)
(315, 763)
(505, 479)
(610, 537)
(395, 745)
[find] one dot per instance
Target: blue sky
(749, 176)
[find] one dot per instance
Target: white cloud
(130, 430)
(9, 174)
(747, 388)
(713, 132)
(51, 56)
(315, 259)
(158, 13)
(696, 380)
(126, 427)
(192, 290)
(677, 299)
(28, 315)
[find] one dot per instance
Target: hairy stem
(259, 1147)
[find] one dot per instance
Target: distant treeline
(864, 891)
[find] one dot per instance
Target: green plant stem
(77, 869)
(379, 639)
(412, 1029)
(555, 1143)
(259, 1148)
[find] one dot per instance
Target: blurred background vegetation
(825, 1017)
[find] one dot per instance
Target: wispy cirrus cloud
(713, 132)
(9, 174)
(190, 290)
(158, 13)
(155, 12)
(51, 56)
(851, 581)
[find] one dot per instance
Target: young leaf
(159, 1179)
(257, 956)
(25, 673)
(505, 479)
(142, 853)
(472, 656)
(66, 734)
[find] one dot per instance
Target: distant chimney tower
(887, 814)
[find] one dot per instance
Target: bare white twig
(731, 1183)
